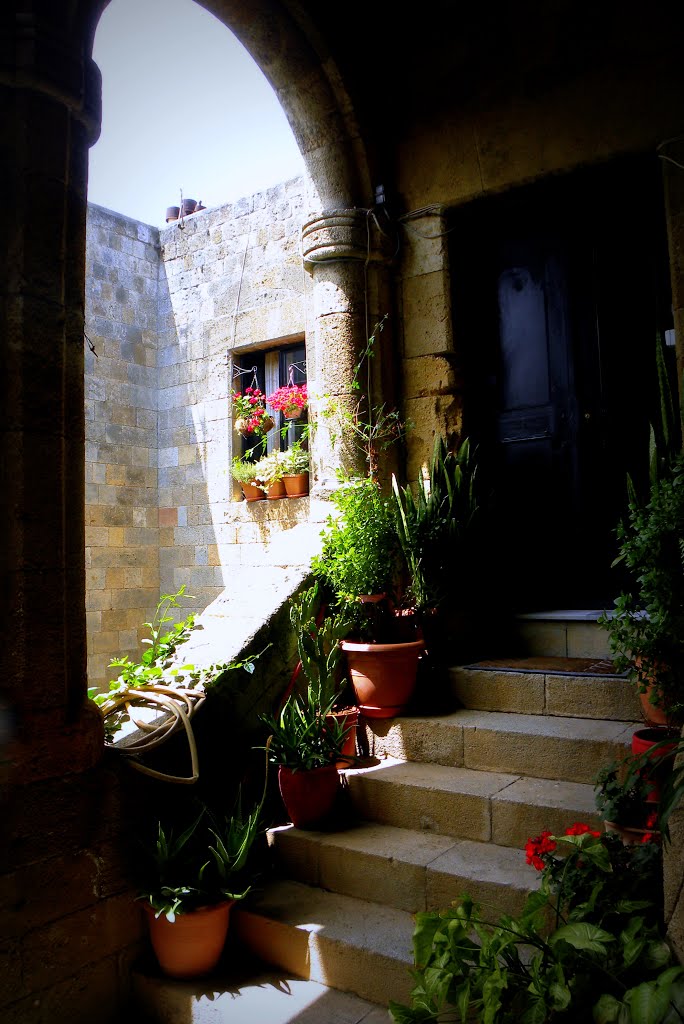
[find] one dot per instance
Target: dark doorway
(560, 290)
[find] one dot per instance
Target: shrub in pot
(245, 473)
(190, 882)
(305, 742)
(296, 470)
(646, 626)
(270, 470)
(319, 632)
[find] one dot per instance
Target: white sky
(184, 106)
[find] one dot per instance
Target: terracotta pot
(188, 206)
(252, 492)
(643, 741)
(297, 485)
(349, 719)
(308, 795)
(631, 836)
(647, 676)
(292, 412)
(172, 213)
(383, 675)
(192, 945)
(276, 490)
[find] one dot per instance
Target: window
(271, 369)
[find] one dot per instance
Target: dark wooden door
(558, 294)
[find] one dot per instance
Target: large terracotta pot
(297, 485)
(191, 946)
(383, 675)
(308, 795)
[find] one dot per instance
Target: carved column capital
(336, 235)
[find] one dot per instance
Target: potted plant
(359, 564)
(359, 557)
(296, 470)
(190, 883)
(270, 471)
(244, 472)
(625, 792)
(250, 416)
(306, 743)
(589, 944)
(321, 659)
(646, 626)
(291, 400)
(435, 525)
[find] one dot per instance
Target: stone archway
(52, 104)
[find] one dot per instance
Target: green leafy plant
(158, 677)
(301, 736)
(646, 626)
(320, 654)
(207, 863)
(622, 790)
(360, 546)
(433, 522)
(567, 957)
(243, 470)
(372, 428)
(295, 459)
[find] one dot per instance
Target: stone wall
(166, 311)
(122, 560)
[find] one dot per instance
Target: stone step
(547, 686)
(339, 941)
(565, 633)
(464, 803)
(405, 869)
(538, 746)
(248, 992)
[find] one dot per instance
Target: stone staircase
(443, 807)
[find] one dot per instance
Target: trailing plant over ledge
(157, 683)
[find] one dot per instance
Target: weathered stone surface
(331, 938)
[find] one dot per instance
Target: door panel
(559, 291)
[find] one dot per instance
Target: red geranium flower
(536, 848)
(580, 829)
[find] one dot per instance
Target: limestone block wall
(232, 280)
(165, 312)
(122, 562)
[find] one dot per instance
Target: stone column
(338, 252)
(49, 103)
(432, 368)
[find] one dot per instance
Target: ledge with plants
(155, 698)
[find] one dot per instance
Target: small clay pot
(172, 213)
